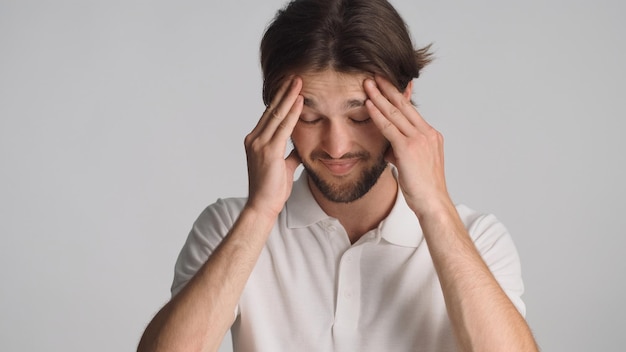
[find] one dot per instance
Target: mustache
(353, 155)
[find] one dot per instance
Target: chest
(326, 292)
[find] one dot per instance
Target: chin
(353, 187)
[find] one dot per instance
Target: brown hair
(345, 35)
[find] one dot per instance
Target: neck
(365, 213)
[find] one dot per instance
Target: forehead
(330, 87)
(330, 78)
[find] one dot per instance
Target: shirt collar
(302, 209)
(401, 226)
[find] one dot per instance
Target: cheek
(373, 135)
(372, 140)
(301, 138)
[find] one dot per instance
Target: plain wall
(121, 120)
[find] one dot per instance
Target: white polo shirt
(311, 290)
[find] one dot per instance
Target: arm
(198, 317)
(482, 316)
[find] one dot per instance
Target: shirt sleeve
(207, 233)
(497, 249)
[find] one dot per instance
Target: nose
(337, 139)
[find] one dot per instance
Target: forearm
(198, 317)
(482, 316)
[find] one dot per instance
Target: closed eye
(361, 121)
(310, 121)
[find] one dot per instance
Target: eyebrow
(348, 105)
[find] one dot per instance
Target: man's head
(339, 145)
(334, 45)
(348, 36)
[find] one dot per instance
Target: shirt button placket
(348, 296)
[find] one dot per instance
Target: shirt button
(348, 295)
(332, 228)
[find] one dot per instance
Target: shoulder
(207, 232)
(491, 238)
(224, 210)
(496, 247)
(480, 224)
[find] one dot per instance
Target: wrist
(252, 228)
(436, 209)
(260, 213)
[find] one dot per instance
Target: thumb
(292, 161)
(389, 156)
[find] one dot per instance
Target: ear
(408, 90)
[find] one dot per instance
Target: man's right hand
(200, 314)
(270, 175)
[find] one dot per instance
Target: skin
(335, 123)
(198, 317)
(482, 316)
(357, 118)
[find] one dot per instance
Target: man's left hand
(416, 147)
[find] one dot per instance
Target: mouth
(340, 167)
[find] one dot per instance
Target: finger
(390, 156)
(386, 127)
(398, 99)
(284, 129)
(292, 161)
(388, 110)
(288, 83)
(275, 118)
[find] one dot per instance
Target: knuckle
(247, 141)
(387, 125)
(255, 145)
(405, 103)
(393, 111)
(432, 137)
(281, 125)
(435, 135)
(274, 114)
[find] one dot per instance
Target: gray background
(121, 120)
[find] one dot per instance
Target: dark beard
(349, 193)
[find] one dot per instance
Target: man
(365, 251)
